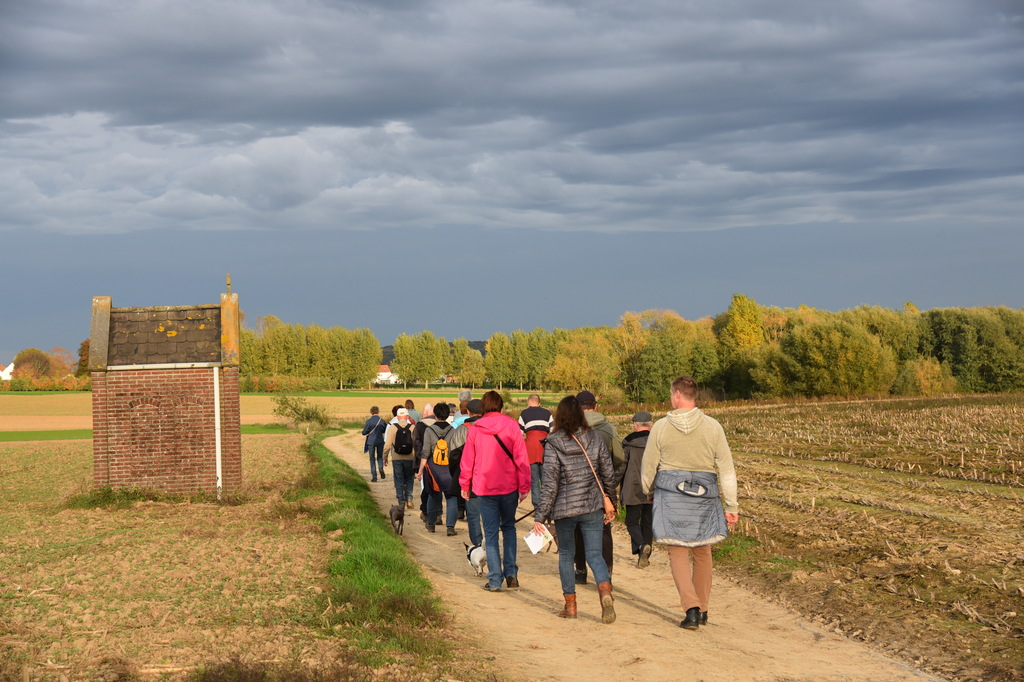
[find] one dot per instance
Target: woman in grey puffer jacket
(570, 496)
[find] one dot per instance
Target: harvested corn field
(895, 522)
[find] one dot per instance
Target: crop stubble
(163, 585)
(897, 522)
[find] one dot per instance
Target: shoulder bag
(609, 508)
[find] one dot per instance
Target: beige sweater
(389, 442)
(690, 441)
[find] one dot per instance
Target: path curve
(748, 638)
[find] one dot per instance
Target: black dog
(397, 515)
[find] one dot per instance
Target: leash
(525, 515)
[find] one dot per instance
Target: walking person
(535, 421)
(686, 462)
(597, 421)
(578, 475)
(398, 446)
(639, 510)
(495, 466)
(470, 508)
(436, 476)
(374, 429)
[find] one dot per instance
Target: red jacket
(486, 467)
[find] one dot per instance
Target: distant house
(385, 376)
(5, 372)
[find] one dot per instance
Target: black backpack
(403, 440)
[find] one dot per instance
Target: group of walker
(676, 475)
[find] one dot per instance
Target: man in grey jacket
(611, 440)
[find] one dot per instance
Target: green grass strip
(86, 434)
(389, 607)
(70, 434)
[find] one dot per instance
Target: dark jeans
(581, 557)
(588, 528)
(476, 534)
(639, 518)
(451, 506)
(498, 512)
(405, 478)
(376, 452)
(536, 471)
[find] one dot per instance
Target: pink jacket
(486, 467)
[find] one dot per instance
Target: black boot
(692, 620)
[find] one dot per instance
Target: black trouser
(606, 550)
(639, 518)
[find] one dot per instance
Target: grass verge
(377, 602)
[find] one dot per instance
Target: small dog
(397, 515)
(477, 558)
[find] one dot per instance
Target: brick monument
(165, 406)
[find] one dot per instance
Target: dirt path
(748, 638)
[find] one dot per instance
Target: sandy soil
(747, 638)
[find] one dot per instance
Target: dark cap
(642, 417)
(475, 406)
(586, 398)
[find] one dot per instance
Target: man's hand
(522, 496)
(731, 519)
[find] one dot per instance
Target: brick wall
(153, 399)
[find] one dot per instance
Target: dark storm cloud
(288, 124)
(600, 116)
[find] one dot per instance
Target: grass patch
(86, 434)
(378, 595)
(70, 434)
(736, 549)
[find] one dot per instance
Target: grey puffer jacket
(568, 487)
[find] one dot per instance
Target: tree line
(747, 351)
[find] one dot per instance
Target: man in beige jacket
(686, 462)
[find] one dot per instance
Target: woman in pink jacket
(496, 468)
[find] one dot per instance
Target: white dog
(477, 558)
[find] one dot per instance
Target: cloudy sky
(470, 166)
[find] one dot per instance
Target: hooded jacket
(604, 427)
(486, 468)
(633, 446)
(689, 440)
(569, 486)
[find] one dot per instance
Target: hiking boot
(607, 603)
(570, 607)
(491, 588)
(383, 476)
(430, 528)
(408, 504)
(644, 559)
(451, 531)
(512, 583)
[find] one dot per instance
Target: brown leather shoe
(570, 607)
(607, 603)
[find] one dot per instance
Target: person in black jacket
(639, 508)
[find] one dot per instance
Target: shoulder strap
(504, 447)
(600, 487)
